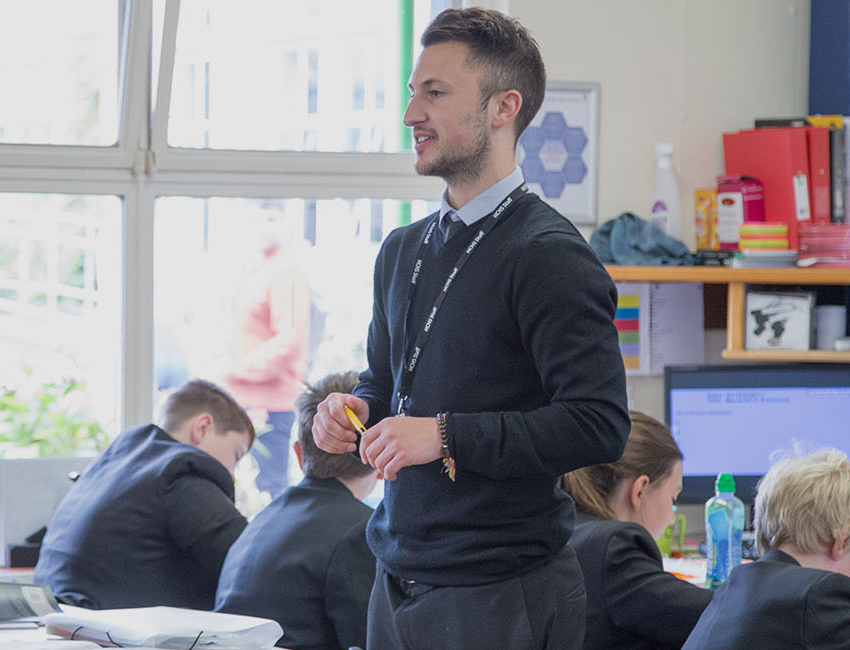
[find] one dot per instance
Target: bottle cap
(725, 483)
(663, 148)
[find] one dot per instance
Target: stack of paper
(764, 258)
(825, 245)
(49, 644)
(25, 601)
(165, 627)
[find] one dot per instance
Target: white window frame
(142, 167)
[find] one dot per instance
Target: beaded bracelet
(448, 462)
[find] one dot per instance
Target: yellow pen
(360, 431)
(355, 421)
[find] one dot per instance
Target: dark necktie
(449, 227)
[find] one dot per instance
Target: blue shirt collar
(484, 203)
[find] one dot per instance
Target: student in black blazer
(303, 560)
(150, 521)
(797, 595)
(622, 507)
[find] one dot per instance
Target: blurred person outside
(270, 349)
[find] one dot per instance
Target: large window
(311, 76)
(59, 64)
(209, 252)
(147, 146)
(60, 324)
(214, 256)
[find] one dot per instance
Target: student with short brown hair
(303, 560)
(150, 521)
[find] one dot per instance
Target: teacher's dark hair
(501, 47)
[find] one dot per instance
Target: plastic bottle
(737, 528)
(665, 205)
(724, 529)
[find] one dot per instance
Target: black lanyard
(411, 358)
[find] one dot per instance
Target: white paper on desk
(165, 627)
(21, 601)
(49, 644)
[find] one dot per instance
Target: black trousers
(543, 609)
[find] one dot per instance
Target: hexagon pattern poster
(558, 151)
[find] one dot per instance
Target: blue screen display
(738, 418)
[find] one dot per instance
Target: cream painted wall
(682, 71)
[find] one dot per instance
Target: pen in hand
(356, 422)
(357, 425)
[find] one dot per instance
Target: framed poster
(779, 321)
(559, 149)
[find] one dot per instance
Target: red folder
(779, 158)
(819, 193)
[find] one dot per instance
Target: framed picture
(779, 321)
(559, 149)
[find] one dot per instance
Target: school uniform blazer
(303, 561)
(775, 603)
(148, 523)
(631, 601)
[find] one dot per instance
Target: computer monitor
(733, 418)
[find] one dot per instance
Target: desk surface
(19, 576)
(691, 569)
(36, 638)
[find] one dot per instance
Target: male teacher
(492, 333)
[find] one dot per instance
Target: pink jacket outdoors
(271, 337)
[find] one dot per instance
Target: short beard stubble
(463, 165)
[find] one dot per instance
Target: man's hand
(332, 430)
(397, 442)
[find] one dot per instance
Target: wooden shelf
(725, 275)
(736, 281)
(809, 356)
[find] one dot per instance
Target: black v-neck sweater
(524, 357)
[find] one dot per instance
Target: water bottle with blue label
(724, 529)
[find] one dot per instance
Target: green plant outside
(48, 422)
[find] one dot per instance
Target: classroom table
(9, 634)
(689, 568)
